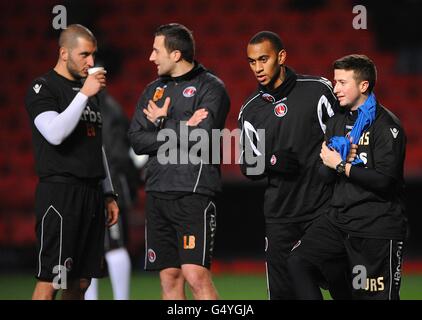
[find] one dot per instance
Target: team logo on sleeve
(280, 110)
(189, 92)
(394, 132)
(151, 255)
(37, 88)
(158, 94)
(273, 160)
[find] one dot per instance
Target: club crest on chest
(280, 109)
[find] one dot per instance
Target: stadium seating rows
(222, 28)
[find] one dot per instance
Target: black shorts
(374, 265)
(179, 231)
(70, 224)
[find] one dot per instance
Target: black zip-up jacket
(370, 202)
(195, 90)
(293, 116)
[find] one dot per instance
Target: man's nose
(152, 56)
(90, 61)
(336, 89)
(258, 67)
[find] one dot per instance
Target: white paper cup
(93, 70)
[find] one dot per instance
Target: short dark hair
(69, 36)
(178, 37)
(270, 36)
(363, 67)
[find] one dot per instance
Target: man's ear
(282, 56)
(176, 55)
(64, 53)
(363, 86)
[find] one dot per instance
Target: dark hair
(270, 36)
(178, 37)
(363, 67)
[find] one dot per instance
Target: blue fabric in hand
(366, 116)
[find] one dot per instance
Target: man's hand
(330, 158)
(353, 153)
(112, 211)
(197, 117)
(152, 112)
(94, 83)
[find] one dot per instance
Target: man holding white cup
(74, 186)
(96, 69)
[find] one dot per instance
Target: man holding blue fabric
(363, 157)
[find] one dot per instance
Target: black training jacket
(358, 206)
(293, 116)
(195, 90)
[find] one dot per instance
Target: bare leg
(76, 289)
(44, 291)
(172, 284)
(200, 282)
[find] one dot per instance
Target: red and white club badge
(280, 110)
(151, 255)
(68, 263)
(273, 160)
(189, 92)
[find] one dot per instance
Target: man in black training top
(69, 203)
(365, 222)
(180, 207)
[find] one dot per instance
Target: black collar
(75, 83)
(197, 69)
(352, 115)
(281, 91)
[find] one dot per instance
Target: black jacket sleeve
(327, 104)
(371, 179)
(251, 164)
(246, 168)
(215, 100)
(327, 175)
(107, 182)
(142, 133)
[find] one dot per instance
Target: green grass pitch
(146, 286)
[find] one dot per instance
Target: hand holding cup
(95, 81)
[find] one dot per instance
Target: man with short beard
(69, 203)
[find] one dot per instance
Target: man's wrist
(82, 92)
(112, 195)
(341, 167)
(160, 122)
(348, 167)
(82, 95)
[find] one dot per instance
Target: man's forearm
(56, 127)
